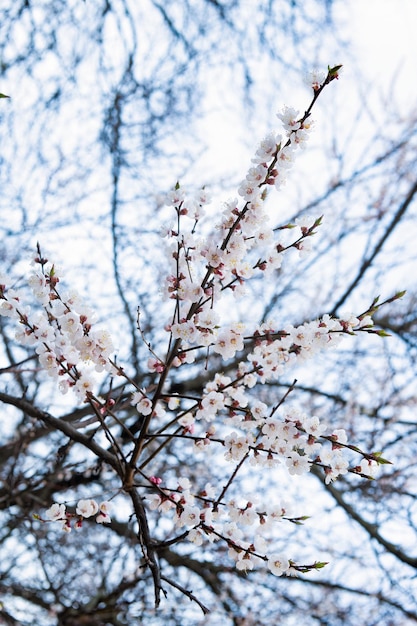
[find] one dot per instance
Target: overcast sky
(384, 34)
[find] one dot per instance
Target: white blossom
(87, 508)
(56, 512)
(278, 564)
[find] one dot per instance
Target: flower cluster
(225, 414)
(203, 269)
(84, 510)
(202, 518)
(244, 243)
(61, 331)
(269, 353)
(274, 351)
(296, 439)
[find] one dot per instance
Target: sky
(381, 42)
(384, 40)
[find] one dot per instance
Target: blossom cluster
(269, 352)
(227, 410)
(203, 518)
(296, 440)
(226, 413)
(60, 330)
(84, 510)
(205, 267)
(293, 440)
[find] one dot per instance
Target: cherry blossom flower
(297, 464)
(369, 468)
(244, 563)
(56, 512)
(315, 78)
(211, 404)
(103, 518)
(278, 564)
(195, 535)
(84, 386)
(87, 508)
(339, 435)
(339, 464)
(267, 148)
(143, 404)
(289, 118)
(237, 447)
(312, 426)
(105, 507)
(190, 516)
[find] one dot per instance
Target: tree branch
(64, 427)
